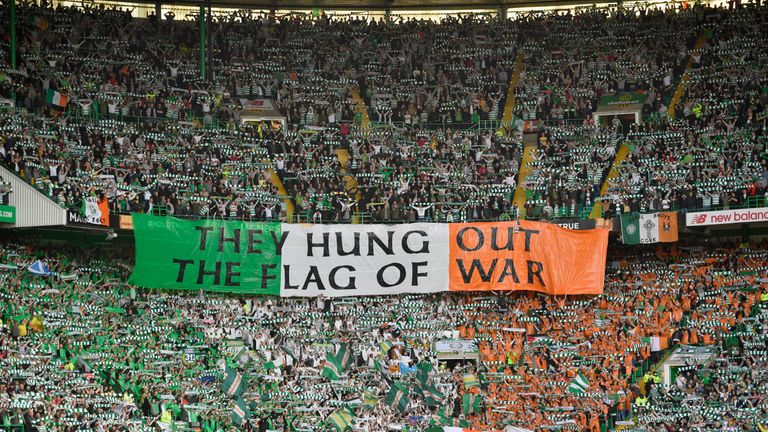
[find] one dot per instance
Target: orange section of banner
(510, 256)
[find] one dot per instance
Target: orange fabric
(539, 257)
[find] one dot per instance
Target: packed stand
(80, 347)
(713, 154)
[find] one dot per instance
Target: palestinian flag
(470, 404)
(240, 412)
(344, 357)
(234, 383)
(397, 398)
(332, 369)
(340, 420)
(56, 99)
(470, 381)
(579, 384)
(649, 228)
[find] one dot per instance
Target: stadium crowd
(147, 133)
(114, 107)
(80, 348)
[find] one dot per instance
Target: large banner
(292, 260)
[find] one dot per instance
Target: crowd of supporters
(80, 348)
(140, 128)
(399, 121)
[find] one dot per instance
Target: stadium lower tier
(80, 348)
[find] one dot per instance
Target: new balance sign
(723, 217)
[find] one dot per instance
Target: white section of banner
(363, 260)
(722, 217)
(649, 228)
(456, 345)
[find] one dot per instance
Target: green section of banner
(630, 228)
(622, 100)
(232, 256)
(7, 214)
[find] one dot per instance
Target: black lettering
(509, 270)
(229, 274)
(528, 234)
(204, 230)
(332, 278)
(387, 248)
(476, 264)
(216, 273)
(495, 239)
(424, 245)
(416, 274)
(400, 278)
(182, 268)
(534, 270)
(314, 277)
(235, 240)
(323, 244)
(279, 244)
(253, 241)
(340, 245)
(460, 239)
(265, 276)
(287, 278)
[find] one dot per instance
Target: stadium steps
(530, 145)
(680, 90)
(275, 179)
(509, 105)
(361, 107)
(350, 182)
(613, 172)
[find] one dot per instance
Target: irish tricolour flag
(56, 99)
(649, 228)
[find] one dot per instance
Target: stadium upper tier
(392, 122)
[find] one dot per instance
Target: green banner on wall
(232, 256)
(7, 214)
(623, 100)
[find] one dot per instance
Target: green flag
(579, 385)
(234, 383)
(397, 398)
(332, 369)
(370, 399)
(470, 381)
(341, 420)
(240, 412)
(344, 357)
(426, 388)
(213, 255)
(385, 346)
(630, 228)
(470, 403)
